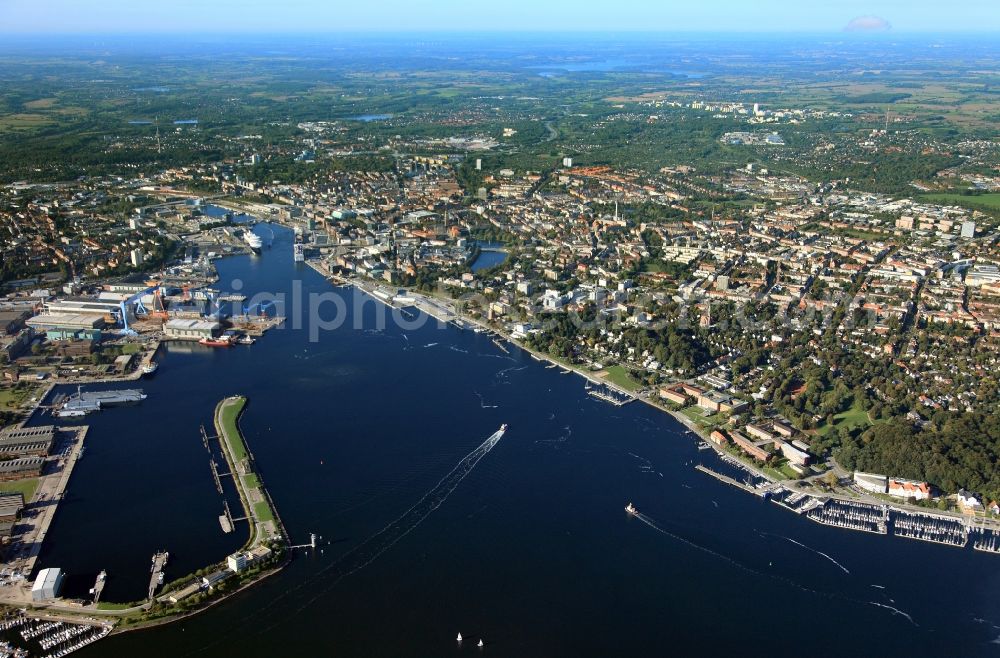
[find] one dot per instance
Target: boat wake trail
(369, 550)
(457, 349)
(895, 611)
(503, 373)
(828, 595)
(655, 526)
(483, 405)
(430, 344)
(562, 438)
(364, 554)
(842, 567)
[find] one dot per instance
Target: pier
(852, 516)
(608, 394)
(728, 480)
(99, 586)
(156, 571)
(226, 520)
(930, 528)
(986, 540)
(57, 637)
(51, 489)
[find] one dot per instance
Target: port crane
(135, 303)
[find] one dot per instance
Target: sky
(317, 16)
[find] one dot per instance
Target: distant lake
(367, 118)
(140, 123)
(608, 65)
(186, 122)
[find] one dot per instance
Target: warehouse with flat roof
(27, 441)
(191, 329)
(22, 467)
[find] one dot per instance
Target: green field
(26, 487)
(230, 412)
(619, 376)
(12, 397)
(703, 418)
(856, 416)
(263, 511)
(991, 201)
(250, 481)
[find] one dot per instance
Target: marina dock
(156, 571)
(608, 394)
(728, 480)
(927, 527)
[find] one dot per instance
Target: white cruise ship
(253, 240)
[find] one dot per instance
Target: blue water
(490, 255)
(218, 211)
(532, 551)
(368, 118)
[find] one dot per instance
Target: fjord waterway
(531, 551)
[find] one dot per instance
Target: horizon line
(500, 31)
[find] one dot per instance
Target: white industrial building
(191, 329)
(48, 585)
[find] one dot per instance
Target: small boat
(150, 368)
(159, 578)
(221, 341)
(480, 645)
(245, 340)
(459, 638)
(503, 428)
(630, 508)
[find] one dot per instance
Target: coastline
(432, 307)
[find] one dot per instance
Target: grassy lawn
(12, 398)
(230, 412)
(26, 487)
(263, 511)
(250, 481)
(853, 417)
(701, 417)
(619, 376)
(991, 201)
(106, 605)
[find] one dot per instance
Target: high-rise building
(567, 162)
(968, 229)
(137, 258)
(479, 164)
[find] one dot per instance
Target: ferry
(221, 341)
(253, 241)
(245, 340)
(150, 368)
(630, 508)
